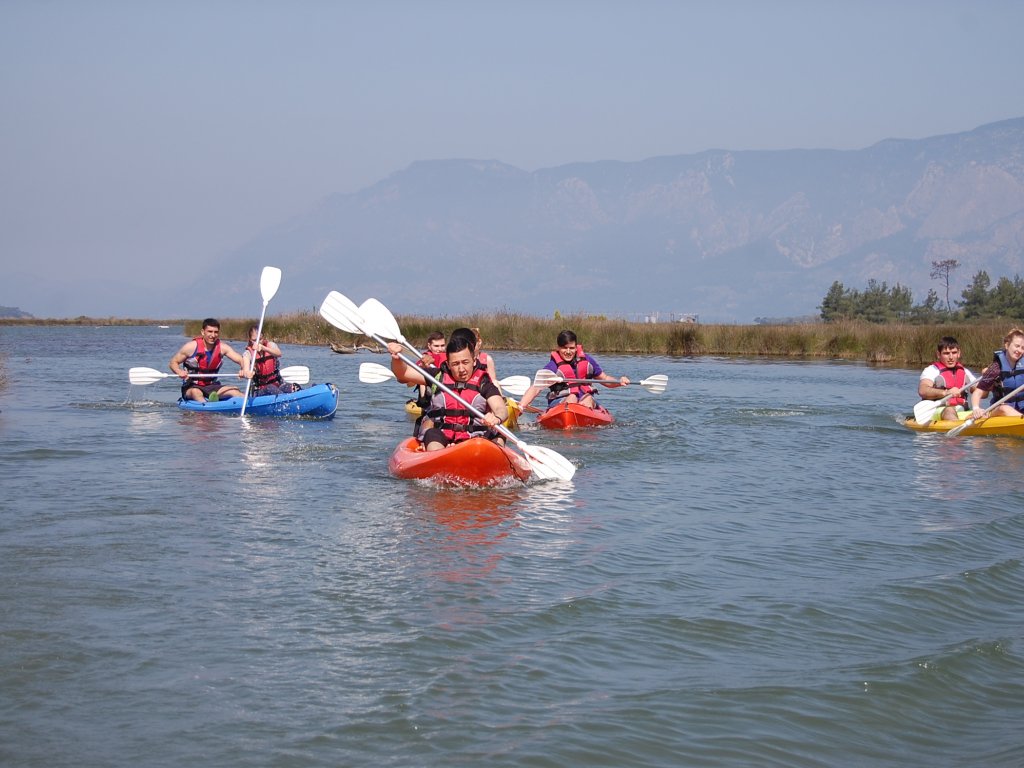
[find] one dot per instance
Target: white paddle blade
(338, 310)
(656, 384)
(957, 430)
(145, 375)
(545, 378)
(295, 374)
(270, 281)
(372, 373)
(515, 385)
(547, 464)
(380, 319)
(925, 410)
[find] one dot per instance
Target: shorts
(207, 389)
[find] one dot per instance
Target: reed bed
(894, 344)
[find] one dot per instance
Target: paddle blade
(656, 384)
(546, 463)
(270, 281)
(515, 385)
(545, 378)
(380, 319)
(145, 375)
(338, 310)
(925, 409)
(295, 374)
(957, 430)
(372, 373)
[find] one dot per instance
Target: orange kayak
(476, 461)
(573, 415)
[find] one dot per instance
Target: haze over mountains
(729, 235)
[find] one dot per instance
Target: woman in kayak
(570, 361)
(1004, 375)
(266, 373)
(451, 421)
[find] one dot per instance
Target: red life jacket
(202, 361)
(577, 368)
(266, 369)
(452, 417)
(953, 377)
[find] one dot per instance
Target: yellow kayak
(512, 422)
(994, 425)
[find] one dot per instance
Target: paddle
(340, 312)
(270, 281)
(372, 373)
(957, 430)
(295, 374)
(545, 377)
(925, 409)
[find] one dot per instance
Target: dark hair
(211, 322)
(435, 336)
(565, 337)
(457, 344)
(948, 342)
(464, 333)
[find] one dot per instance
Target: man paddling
(203, 355)
(946, 378)
(570, 361)
(452, 422)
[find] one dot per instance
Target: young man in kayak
(946, 377)
(569, 360)
(203, 355)
(266, 373)
(451, 421)
(1004, 375)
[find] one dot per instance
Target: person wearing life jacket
(570, 361)
(947, 379)
(1002, 377)
(452, 421)
(266, 373)
(483, 360)
(198, 362)
(431, 358)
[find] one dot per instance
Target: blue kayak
(317, 402)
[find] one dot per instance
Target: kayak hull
(995, 425)
(510, 422)
(574, 416)
(473, 462)
(317, 402)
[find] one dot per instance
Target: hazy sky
(140, 140)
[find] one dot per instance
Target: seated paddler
(450, 420)
(570, 361)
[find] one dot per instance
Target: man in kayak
(1003, 376)
(266, 373)
(451, 421)
(202, 357)
(570, 361)
(946, 377)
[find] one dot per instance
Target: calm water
(760, 567)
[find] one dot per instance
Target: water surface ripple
(759, 568)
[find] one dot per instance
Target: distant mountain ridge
(728, 235)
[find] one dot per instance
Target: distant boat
(163, 326)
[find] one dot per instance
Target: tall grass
(896, 344)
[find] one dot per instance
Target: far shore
(892, 344)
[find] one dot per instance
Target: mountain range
(722, 234)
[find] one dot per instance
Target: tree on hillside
(975, 296)
(941, 271)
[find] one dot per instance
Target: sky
(141, 140)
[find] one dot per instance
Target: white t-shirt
(932, 374)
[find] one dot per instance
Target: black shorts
(207, 389)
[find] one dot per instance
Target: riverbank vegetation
(895, 343)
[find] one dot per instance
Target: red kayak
(476, 461)
(573, 415)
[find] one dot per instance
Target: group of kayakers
(948, 380)
(464, 368)
(198, 362)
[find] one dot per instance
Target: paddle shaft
(925, 409)
(270, 279)
(957, 430)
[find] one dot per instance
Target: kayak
(573, 415)
(319, 401)
(510, 422)
(477, 461)
(994, 425)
